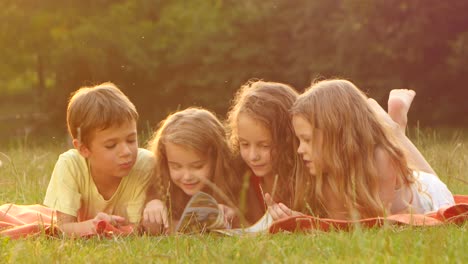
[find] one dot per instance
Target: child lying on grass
(106, 176)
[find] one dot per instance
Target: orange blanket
(18, 221)
(456, 214)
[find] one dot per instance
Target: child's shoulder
(145, 154)
(386, 169)
(72, 155)
(145, 159)
(381, 155)
(71, 163)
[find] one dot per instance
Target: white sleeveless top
(428, 193)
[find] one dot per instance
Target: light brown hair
(200, 130)
(351, 133)
(98, 107)
(269, 104)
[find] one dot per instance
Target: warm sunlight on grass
(26, 169)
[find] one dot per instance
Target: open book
(202, 214)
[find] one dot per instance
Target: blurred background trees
(167, 55)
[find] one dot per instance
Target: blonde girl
(191, 151)
(262, 136)
(357, 167)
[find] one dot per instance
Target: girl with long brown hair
(357, 165)
(192, 155)
(262, 137)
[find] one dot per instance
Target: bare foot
(399, 103)
(382, 114)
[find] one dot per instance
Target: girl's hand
(155, 216)
(114, 220)
(229, 214)
(278, 210)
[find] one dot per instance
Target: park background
(168, 55)
(171, 54)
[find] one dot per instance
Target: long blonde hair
(200, 130)
(269, 103)
(351, 132)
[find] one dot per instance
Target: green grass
(26, 168)
(427, 245)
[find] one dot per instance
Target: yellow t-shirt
(72, 190)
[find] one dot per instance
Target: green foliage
(173, 54)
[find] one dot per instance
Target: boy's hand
(278, 210)
(155, 216)
(114, 220)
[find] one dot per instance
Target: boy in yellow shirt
(106, 176)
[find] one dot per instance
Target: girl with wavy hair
(262, 137)
(358, 166)
(192, 155)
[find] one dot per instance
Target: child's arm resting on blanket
(69, 225)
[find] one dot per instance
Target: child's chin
(191, 191)
(125, 171)
(122, 174)
(261, 173)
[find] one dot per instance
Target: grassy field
(26, 167)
